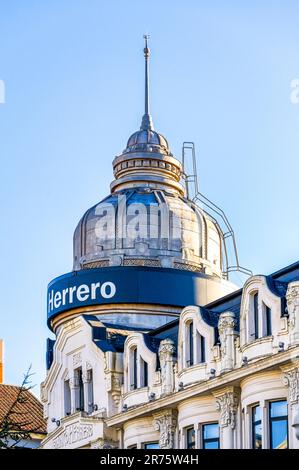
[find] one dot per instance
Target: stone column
(226, 327)
(291, 379)
(166, 422)
(292, 297)
(166, 353)
(227, 402)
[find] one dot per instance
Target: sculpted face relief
(80, 293)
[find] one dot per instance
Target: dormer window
(260, 318)
(195, 352)
(138, 370)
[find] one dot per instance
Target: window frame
(256, 330)
(276, 419)
(203, 440)
(254, 424)
(145, 444)
(191, 445)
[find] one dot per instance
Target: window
(190, 438)
(201, 344)
(133, 368)
(67, 398)
(151, 445)
(144, 372)
(80, 391)
(278, 422)
(267, 320)
(210, 436)
(256, 315)
(256, 418)
(190, 356)
(90, 390)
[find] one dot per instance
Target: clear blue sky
(73, 71)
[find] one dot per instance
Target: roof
(31, 409)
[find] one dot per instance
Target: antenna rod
(147, 123)
(146, 56)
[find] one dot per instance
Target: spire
(147, 123)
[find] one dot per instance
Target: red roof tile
(31, 408)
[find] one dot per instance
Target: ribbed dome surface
(102, 239)
(147, 137)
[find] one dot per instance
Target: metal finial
(147, 119)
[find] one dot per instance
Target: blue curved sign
(125, 284)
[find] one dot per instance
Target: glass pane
(279, 434)
(211, 431)
(257, 438)
(211, 445)
(256, 414)
(151, 445)
(278, 408)
(191, 438)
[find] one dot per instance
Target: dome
(147, 137)
(145, 227)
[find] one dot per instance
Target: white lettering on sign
(82, 293)
(72, 434)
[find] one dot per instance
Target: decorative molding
(291, 379)
(77, 359)
(165, 422)
(103, 444)
(166, 353)
(227, 404)
(226, 326)
(292, 297)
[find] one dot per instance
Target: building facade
(154, 346)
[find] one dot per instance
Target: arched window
(195, 346)
(260, 318)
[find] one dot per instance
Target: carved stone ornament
(226, 325)
(227, 404)
(43, 393)
(292, 297)
(166, 352)
(166, 422)
(77, 359)
(103, 444)
(291, 379)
